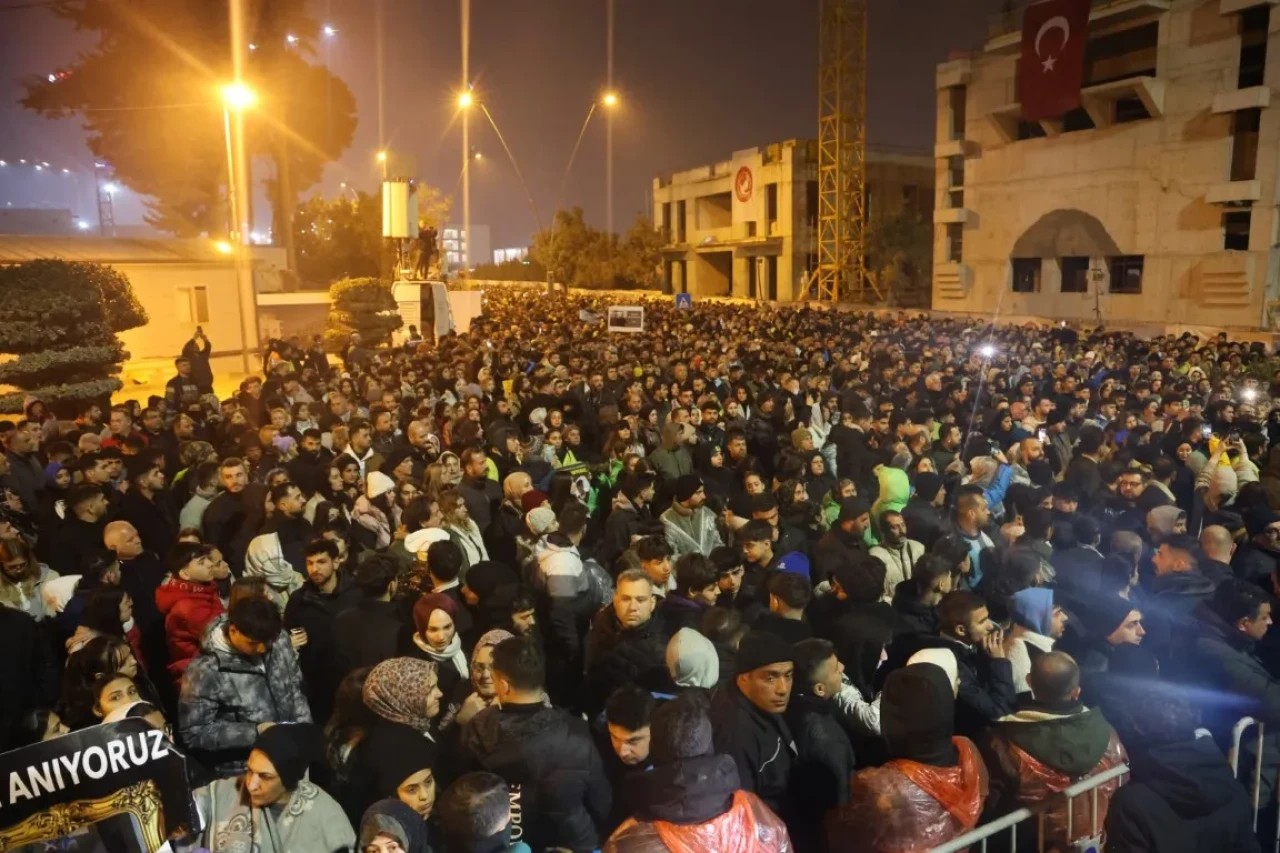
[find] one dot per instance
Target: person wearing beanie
(538, 522)
(746, 715)
(375, 514)
(845, 542)
(693, 798)
(923, 512)
(1257, 559)
(690, 524)
(933, 788)
(273, 807)
(395, 761)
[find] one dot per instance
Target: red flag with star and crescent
(1051, 71)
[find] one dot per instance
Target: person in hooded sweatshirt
(932, 789)
(1173, 593)
(391, 821)
(1182, 796)
(1037, 623)
(693, 798)
(545, 754)
(692, 662)
(1050, 742)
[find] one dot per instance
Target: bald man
(1064, 738)
(140, 574)
(1218, 547)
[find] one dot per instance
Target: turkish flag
(1051, 71)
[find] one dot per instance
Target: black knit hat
(686, 486)
(853, 508)
(762, 648)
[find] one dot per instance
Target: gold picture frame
(141, 801)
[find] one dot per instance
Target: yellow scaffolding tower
(842, 150)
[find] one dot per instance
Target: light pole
(610, 102)
(465, 101)
(382, 161)
(239, 97)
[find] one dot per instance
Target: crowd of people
(757, 579)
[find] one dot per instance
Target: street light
(329, 31)
(610, 99)
(465, 100)
(239, 97)
(382, 160)
(109, 188)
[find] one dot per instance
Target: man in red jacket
(188, 599)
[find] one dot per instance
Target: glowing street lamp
(465, 100)
(110, 188)
(238, 96)
(329, 31)
(223, 247)
(610, 99)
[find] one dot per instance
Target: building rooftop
(18, 248)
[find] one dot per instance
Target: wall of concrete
(1137, 188)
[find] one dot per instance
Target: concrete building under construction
(747, 226)
(1154, 202)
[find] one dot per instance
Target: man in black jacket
(371, 629)
(233, 517)
(627, 643)
(824, 755)
(481, 494)
(80, 533)
(289, 525)
(923, 512)
(844, 543)
(986, 677)
(1175, 591)
(545, 754)
(1260, 556)
(312, 610)
(310, 468)
(28, 671)
(747, 716)
(915, 599)
(854, 459)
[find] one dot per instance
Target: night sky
(698, 80)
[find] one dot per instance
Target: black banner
(95, 764)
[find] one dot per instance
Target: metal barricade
(1255, 790)
(1011, 821)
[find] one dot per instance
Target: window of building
(955, 190)
(1029, 130)
(955, 242)
(1077, 119)
(680, 222)
(1130, 109)
(1235, 230)
(1121, 55)
(771, 202)
(1026, 275)
(1126, 273)
(666, 217)
(1254, 24)
(1075, 274)
(959, 96)
(1244, 143)
(192, 304)
(811, 202)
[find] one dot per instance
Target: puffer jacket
(560, 795)
(571, 591)
(759, 743)
(618, 656)
(1036, 753)
(696, 804)
(187, 608)
(905, 805)
(225, 695)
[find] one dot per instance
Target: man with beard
(424, 448)
(310, 469)
(1258, 558)
(148, 506)
(310, 617)
(288, 524)
(845, 542)
(233, 518)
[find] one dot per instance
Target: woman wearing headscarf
(933, 787)
(473, 696)
(265, 559)
(272, 807)
(436, 639)
(392, 821)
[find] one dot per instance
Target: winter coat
(1180, 798)
(898, 563)
(1167, 606)
(29, 674)
(624, 520)
(895, 491)
(907, 806)
(696, 804)
(156, 519)
(482, 497)
(559, 793)
(188, 608)
(1250, 562)
(681, 612)
(986, 683)
(1035, 754)
(1078, 568)
(1218, 659)
(695, 533)
(824, 764)
(225, 695)
(616, 656)
(760, 744)
(500, 537)
(316, 613)
(671, 464)
(232, 520)
(924, 521)
(854, 459)
(835, 549)
(913, 615)
(366, 633)
(75, 540)
(572, 591)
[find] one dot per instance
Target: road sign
(684, 301)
